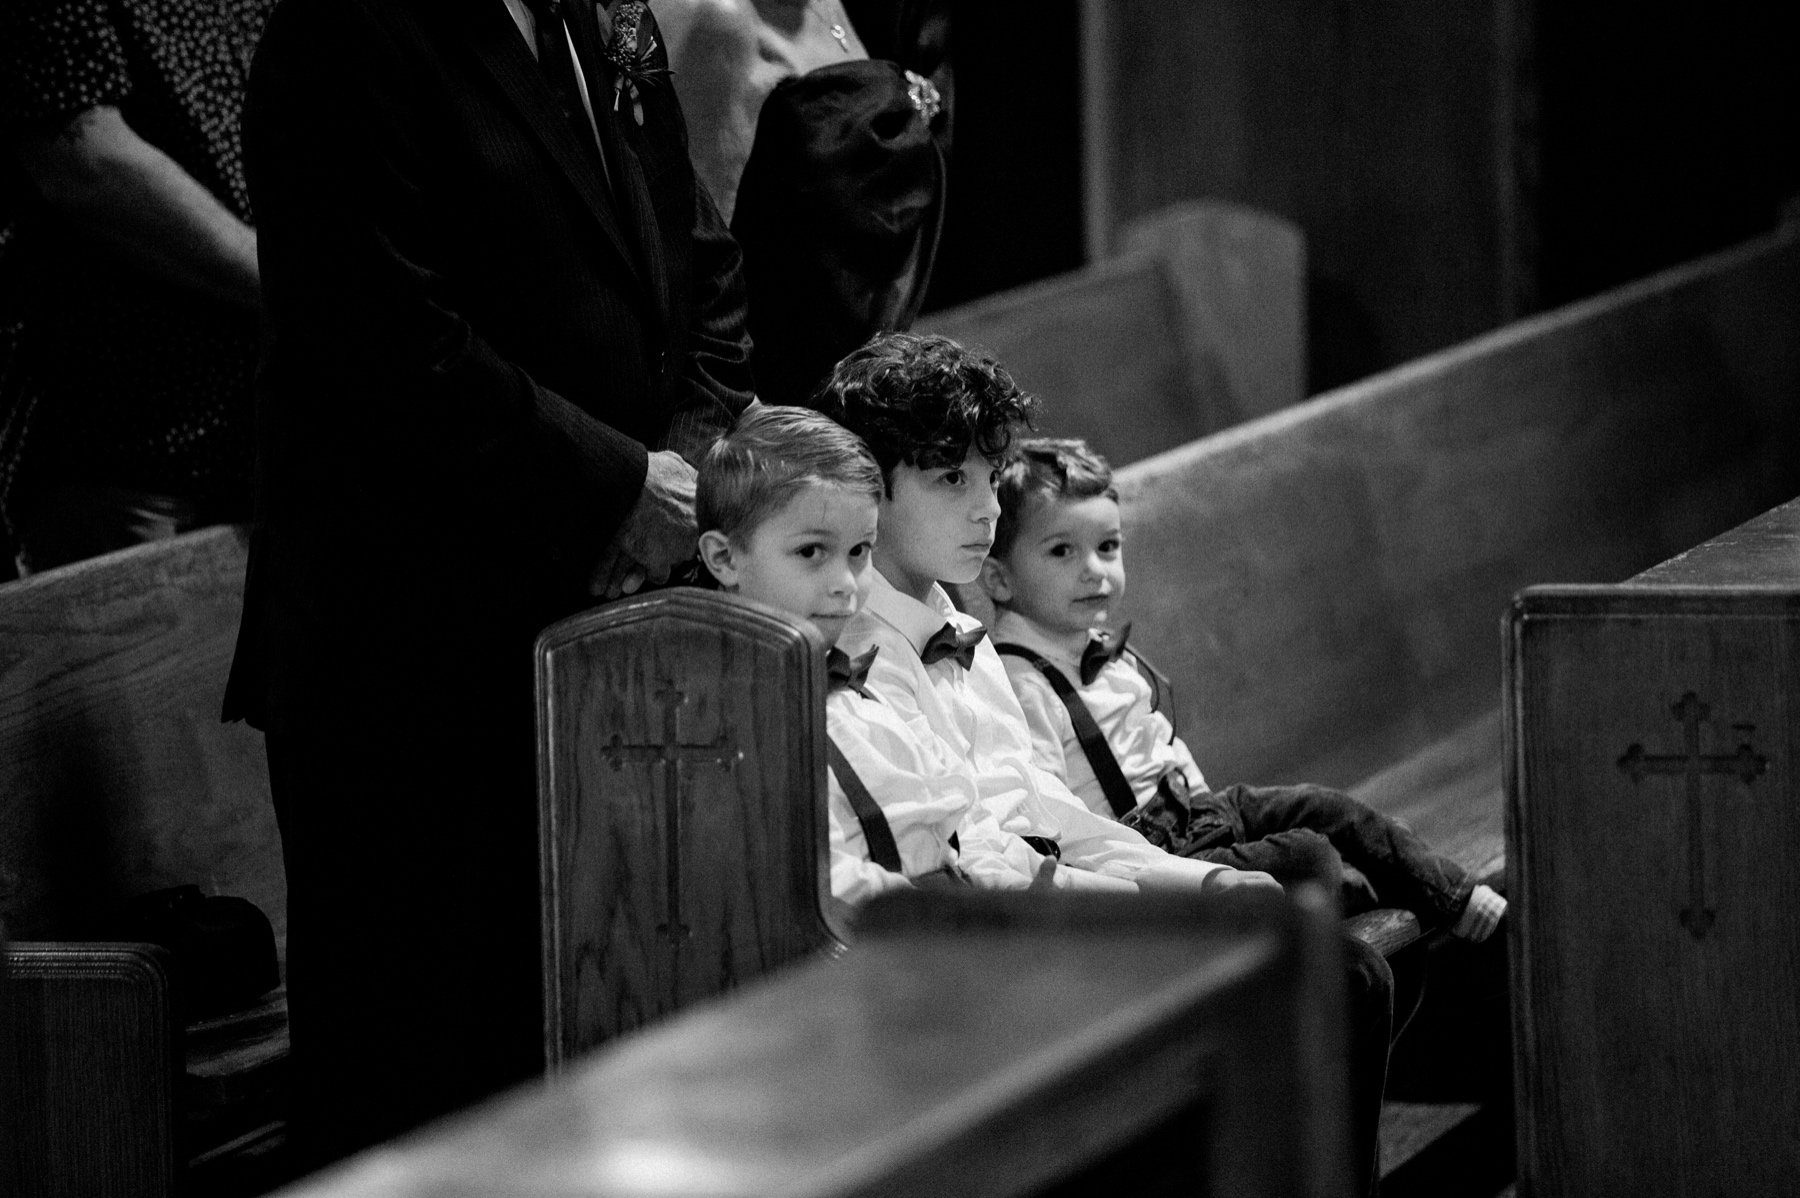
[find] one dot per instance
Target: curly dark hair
(923, 401)
(1057, 468)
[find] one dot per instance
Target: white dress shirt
(976, 717)
(1142, 739)
(924, 795)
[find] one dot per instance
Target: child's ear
(716, 556)
(994, 580)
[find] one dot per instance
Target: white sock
(1481, 916)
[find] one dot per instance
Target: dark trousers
(409, 835)
(1296, 832)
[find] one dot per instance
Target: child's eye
(809, 552)
(1061, 550)
(1111, 545)
(861, 549)
(953, 478)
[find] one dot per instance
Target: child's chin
(831, 630)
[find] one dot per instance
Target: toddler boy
(1056, 574)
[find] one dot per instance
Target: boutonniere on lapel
(629, 49)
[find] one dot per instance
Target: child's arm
(1052, 735)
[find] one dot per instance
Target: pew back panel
(683, 842)
(115, 773)
(981, 1045)
(1654, 833)
(1326, 579)
(91, 1079)
(1197, 324)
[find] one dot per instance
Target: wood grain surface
(92, 1082)
(666, 883)
(1197, 324)
(1325, 583)
(116, 776)
(1654, 835)
(973, 1045)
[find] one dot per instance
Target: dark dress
(139, 383)
(840, 204)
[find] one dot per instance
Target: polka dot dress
(144, 383)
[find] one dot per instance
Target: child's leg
(1404, 870)
(1297, 855)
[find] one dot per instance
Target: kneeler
(681, 769)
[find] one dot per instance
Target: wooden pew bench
(1653, 746)
(1333, 621)
(1324, 584)
(974, 1045)
(1196, 324)
(117, 778)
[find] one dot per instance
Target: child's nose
(987, 506)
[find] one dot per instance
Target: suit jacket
(471, 343)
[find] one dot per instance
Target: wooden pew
(1324, 582)
(681, 778)
(975, 1045)
(1197, 323)
(1653, 825)
(117, 778)
(1333, 623)
(91, 1064)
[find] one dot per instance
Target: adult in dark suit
(499, 331)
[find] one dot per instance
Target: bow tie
(846, 671)
(947, 642)
(1101, 651)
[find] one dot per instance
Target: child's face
(1065, 571)
(811, 558)
(937, 524)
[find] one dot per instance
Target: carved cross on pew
(672, 754)
(1745, 764)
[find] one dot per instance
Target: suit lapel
(495, 41)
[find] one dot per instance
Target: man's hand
(658, 534)
(1239, 879)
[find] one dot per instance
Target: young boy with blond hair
(1056, 575)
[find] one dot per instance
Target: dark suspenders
(1119, 795)
(882, 849)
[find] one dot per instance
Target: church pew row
(117, 778)
(1324, 584)
(1197, 323)
(1653, 823)
(980, 1045)
(1333, 620)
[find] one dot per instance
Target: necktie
(846, 671)
(1102, 650)
(559, 70)
(947, 642)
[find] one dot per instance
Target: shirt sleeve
(57, 58)
(1045, 717)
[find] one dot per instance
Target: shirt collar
(911, 619)
(1010, 626)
